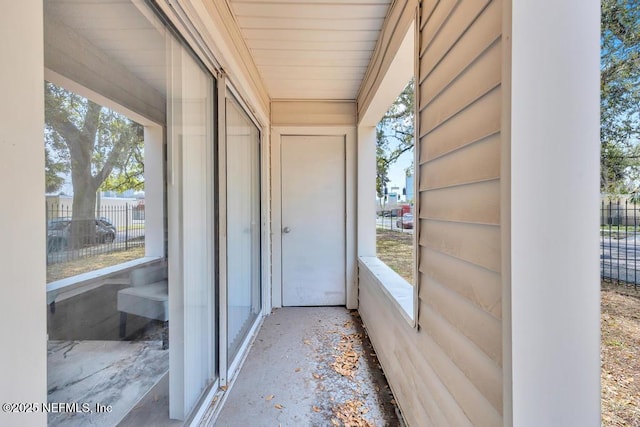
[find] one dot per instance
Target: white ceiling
(304, 49)
(311, 49)
(123, 30)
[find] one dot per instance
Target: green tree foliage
(620, 95)
(53, 170)
(394, 135)
(101, 148)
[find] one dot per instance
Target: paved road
(620, 258)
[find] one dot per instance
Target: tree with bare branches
(395, 135)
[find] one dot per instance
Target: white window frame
(401, 294)
(62, 289)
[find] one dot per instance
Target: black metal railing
(619, 241)
(114, 228)
(395, 219)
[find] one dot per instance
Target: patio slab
(310, 366)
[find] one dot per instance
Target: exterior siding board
(477, 409)
(475, 243)
(448, 370)
(436, 20)
(485, 31)
(482, 203)
(457, 23)
(428, 7)
(484, 290)
(483, 158)
(477, 121)
(481, 328)
(459, 113)
(482, 371)
(481, 77)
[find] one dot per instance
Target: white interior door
(313, 221)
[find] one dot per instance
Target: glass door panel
(243, 226)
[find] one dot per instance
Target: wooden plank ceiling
(311, 49)
(125, 31)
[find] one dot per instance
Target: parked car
(405, 221)
(395, 212)
(59, 233)
(107, 222)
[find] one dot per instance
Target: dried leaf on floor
(346, 361)
(351, 414)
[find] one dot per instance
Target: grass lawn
(620, 355)
(395, 249)
(63, 270)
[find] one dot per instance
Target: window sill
(66, 288)
(399, 291)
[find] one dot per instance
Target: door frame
(228, 369)
(349, 135)
(302, 288)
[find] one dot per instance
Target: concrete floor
(310, 366)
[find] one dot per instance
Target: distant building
(409, 188)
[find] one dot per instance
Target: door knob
(286, 230)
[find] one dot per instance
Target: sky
(397, 170)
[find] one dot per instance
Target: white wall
(554, 161)
(23, 363)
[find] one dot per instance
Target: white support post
(23, 323)
(366, 191)
(154, 191)
(553, 291)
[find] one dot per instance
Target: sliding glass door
(243, 226)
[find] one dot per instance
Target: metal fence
(115, 228)
(620, 241)
(394, 219)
